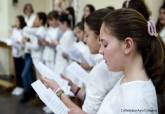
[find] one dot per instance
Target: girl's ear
(128, 45)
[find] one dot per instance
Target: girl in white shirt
(79, 49)
(17, 48)
(130, 44)
(65, 43)
(33, 51)
(53, 36)
(36, 36)
(100, 80)
(95, 92)
(29, 14)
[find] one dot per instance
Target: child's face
(37, 22)
(162, 16)
(112, 50)
(91, 40)
(79, 34)
(86, 12)
(17, 23)
(28, 11)
(53, 22)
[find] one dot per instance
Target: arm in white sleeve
(95, 92)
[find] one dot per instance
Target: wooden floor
(9, 104)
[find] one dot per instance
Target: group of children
(120, 50)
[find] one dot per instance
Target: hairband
(152, 28)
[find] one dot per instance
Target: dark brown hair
(138, 5)
(53, 15)
(28, 5)
(64, 17)
(95, 20)
(71, 12)
(91, 10)
(22, 21)
(42, 16)
(124, 23)
(80, 25)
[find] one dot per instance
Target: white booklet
(75, 55)
(46, 72)
(75, 71)
(49, 98)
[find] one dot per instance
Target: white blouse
(30, 20)
(33, 47)
(83, 48)
(135, 97)
(101, 81)
(49, 51)
(17, 48)
(66, 43)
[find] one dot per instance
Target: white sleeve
(59, 32)
(95, 92)
(15, 38)
(66, 42)
(41, 33)
(33, 44)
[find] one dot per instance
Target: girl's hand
(67, 79)
(75, 111)
(50, 83)
(85, 66)
(54, 42)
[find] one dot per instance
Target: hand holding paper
(50, 83)
(49, 98)
(48, 73)
(75, 71)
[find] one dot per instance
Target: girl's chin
(112, 69)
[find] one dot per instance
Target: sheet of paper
(75, 55)
(50, 98)
(88, 59)
(46, 72)
(76, 71)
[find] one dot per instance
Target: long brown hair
(138, 5)
(95, 20)
(124, 23)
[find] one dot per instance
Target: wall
(4, 17)
(8, 12)
(153, 5)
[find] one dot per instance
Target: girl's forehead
(105, 34)
(103, 31)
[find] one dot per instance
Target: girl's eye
(105, 45)
(86, 35)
